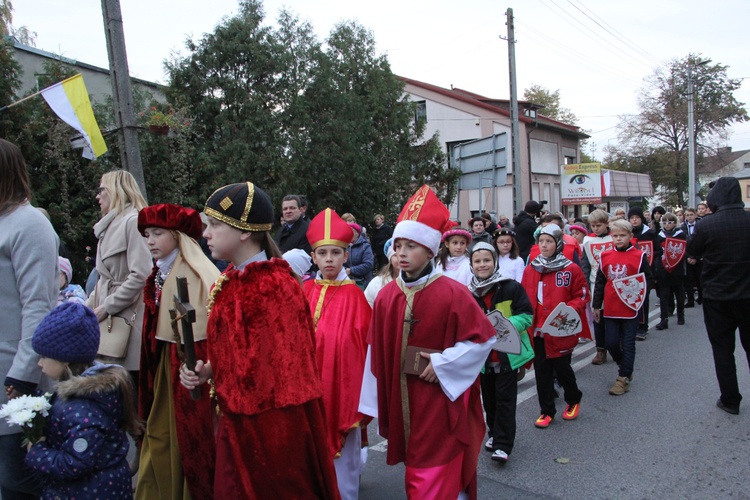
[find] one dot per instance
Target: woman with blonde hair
(122, 261)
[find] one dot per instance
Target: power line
(580, 58)
(619, 36)
(586, 30)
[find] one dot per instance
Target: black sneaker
(732, 410)
(641, 336)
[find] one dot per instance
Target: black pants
(546, 369)
(499, 393)
(643, 314)
(722, 319)
(672, 294)
(599, 332)
(693, 281)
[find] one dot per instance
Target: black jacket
(723, 241)
(378, 237)
(294, 237)
(525, 226)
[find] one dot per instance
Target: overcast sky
(596, 52)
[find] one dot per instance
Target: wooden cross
(186, 314)
(411, 322)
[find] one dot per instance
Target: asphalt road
(664, 439)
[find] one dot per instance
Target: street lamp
(692, 198)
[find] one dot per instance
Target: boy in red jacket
(551, 278)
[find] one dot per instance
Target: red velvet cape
(341, 348)
(440, 429)
(262, 351)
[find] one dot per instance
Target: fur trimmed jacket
(84, 454)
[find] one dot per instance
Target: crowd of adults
(717, 258)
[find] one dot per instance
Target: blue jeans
(620, 338)
(17, 482)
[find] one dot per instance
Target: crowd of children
(292, 364)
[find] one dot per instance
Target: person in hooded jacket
(551, 278)
(83, 453)
(723, 241)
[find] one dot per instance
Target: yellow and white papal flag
(69, 99)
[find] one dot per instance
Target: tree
(276, 108)
(22, 34)
(659, 131)
(550, 101)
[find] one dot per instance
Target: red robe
(341, 316)
(272, 435)
(438, 429)
(194, 419)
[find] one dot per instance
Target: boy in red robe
(341, 316)
(433, 420)
(271, 432)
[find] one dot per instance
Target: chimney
(724, 151)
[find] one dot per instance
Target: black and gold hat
(243, 206)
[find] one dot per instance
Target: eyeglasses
(100, 189)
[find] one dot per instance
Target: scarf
(101, 226)
(480, 287)
(543, 264)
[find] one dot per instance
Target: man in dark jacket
(525, 224)
(723, 241)
(293, 232)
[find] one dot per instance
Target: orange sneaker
(543, 421)
(571, 411)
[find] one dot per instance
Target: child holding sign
(551, 279)
(493, 291)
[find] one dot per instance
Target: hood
(100, 383)
(726, 193)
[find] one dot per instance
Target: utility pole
(514, 127)
(122, 92)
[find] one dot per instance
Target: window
(570, 160)
(531, 113)
(420, 111)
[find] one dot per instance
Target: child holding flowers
(83, 451)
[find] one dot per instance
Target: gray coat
(28, 291)
(123, 263)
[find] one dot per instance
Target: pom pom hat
(243, 206)
(172, 217)
(423, 220)
(65, 267)
(69, 333)
(327, 228)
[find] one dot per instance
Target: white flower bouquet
(29, 413)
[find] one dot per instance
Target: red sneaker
(571, 412)
(543, 421)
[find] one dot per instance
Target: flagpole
(20, 101)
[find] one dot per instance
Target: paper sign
(508, 340)
(563, 321)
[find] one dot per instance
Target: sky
(595, 52)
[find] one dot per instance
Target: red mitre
(423, 219)
(172, 217)
(327, 228)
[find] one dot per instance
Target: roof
(722, 158)
(501, 106)
(73, 62)
(742, 174)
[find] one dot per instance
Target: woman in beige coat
(122, 260)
